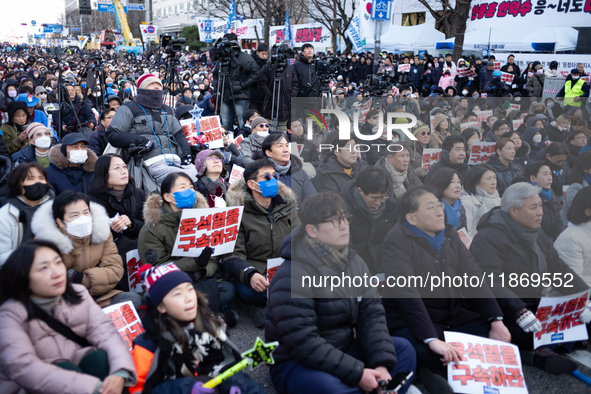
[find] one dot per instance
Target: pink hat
(145, 80)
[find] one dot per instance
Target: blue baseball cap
(28, 99)
(497, 73)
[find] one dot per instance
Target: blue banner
(232, 16)
(287, 29)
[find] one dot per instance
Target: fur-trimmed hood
(238, 194)
(44, 227)
(154, 208)
(60, 161)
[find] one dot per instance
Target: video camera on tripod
(280, 55)
(379, 83)
(225, 49)
(326, 67)
(172, 46)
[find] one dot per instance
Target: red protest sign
(209, 126)
(364, 110)
(470, 73)
(507, 78)
(272, 265)
(430, 157)
(133, 266)
(403, 68)
(464, 126)
(481, 151)
(462, 71)
(560, 319)
(236, 174)
(238, 141)
(216, 228)
(496, 65)
(517, 123)
(126, 321)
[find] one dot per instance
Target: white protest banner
(462, 71)
(272, 265)
(190, 130)
(507, 77)
(464, 126)
(432, 123)
(483, 115)
(516, 106)
(209, 126)
(238, 141)
(566, 62)
(465, 237)
(133, 267)
(471, 73)
(126, 321)
(487, 366)
(403, 67)
(430, 157)
(560, 319)
(517, 123)
(364, 110)
(496, 65)
(236, 174)
(213, 227)
(245, 30)
(481, 151)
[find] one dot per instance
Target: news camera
(379, 83)
(280, 55)
(171, 45)
(225, 49)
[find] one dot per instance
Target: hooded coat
(95, 256)
(527, 139)
(63, 177)
(535, 85)
(574, 248)
(10, 131)
(437, 136)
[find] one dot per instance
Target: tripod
(172, 73)
(223, 75)
(276, 93)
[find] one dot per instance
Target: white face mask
(263, 133)
(80, 227)
(43, 142)
(540, 71)
(78, 156)
(12, 93)
(518, 99)
(465, 92)
(537, 138)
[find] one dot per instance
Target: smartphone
(398, 380)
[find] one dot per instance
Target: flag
(287, 27)
(232, 16)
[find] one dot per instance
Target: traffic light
(84, 7)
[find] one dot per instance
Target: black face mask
(36, 191)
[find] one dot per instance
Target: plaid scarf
(330, 256)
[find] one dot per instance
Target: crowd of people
(94, 164)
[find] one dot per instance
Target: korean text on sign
(487, 366)
(216, 228)
(560, 319)
(126, 321)
(483, 115)
(430, 157)
(403, 67)
(190, 131)
(133, 271)
(481, 151)
(209, 126)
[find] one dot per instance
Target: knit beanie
(506, 104)
(256, 121)
(420, 126)
(200, 161)
(145, 80)
(160, 280)
(32, 128)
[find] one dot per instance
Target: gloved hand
(75, 276)
(187, 160)
(585, 316)
(199, 389)
(528, 321)
(204, 257)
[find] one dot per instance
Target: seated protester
(97, 141)
(10, 91)
(575, 141)
(504, 165)
(13, 131)
(186, 98)
(448, 186)
(114, 102)
(76, 112)
(422, 244)
(71, 165)
(555, 156)
(573, 244)
(184, 344)
(374, 214)
(415, 148)
(522, 150)
(80, 229)
(536, 139)
(232, 154)
(298, 134)
(251, 145)
(27, 96)
(401, 173)
(369, 127)
(248, 116)
(442, 127)
(499, 128)
(269, 216)
(509, 242)
(453, 153)
(339, 166)
(39, 143)
(482, 195)
(328, 344)
(470, 135)
(211, 172)
(276, 148)
(539, 174)
(579, 178)
(27, 189)
(35, 354)
(559, 129)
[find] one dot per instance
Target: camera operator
(288, 86)
(260, 56)
(243, 72)
(305, 72)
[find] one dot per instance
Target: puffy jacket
(574, 249)
(260, 232)
(244, 73)
(306, 75)
(297, 180)
(551, 221)
(318, 331)
(288, 89)
(25, 155)
(476, 206)
(249, 147)
(416, 73)
(255, 94)
(330, 176)
(11, 142)
(535, 85)
(62, 177)
(534, 148)
(428, 313)
(81, 110)
(505, 174)
(95, 256)
(29, 348)
(437, 136)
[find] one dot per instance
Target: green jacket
(11, 140)
(260, 233)
(157, 237)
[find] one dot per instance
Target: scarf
(25, 216)
(372, 215)
(213, 186)
(398, 179)
(259, 139)
(546, 194)
(41, 154)
(434, 242)
(453, 212)
(283, 170)
(46, 304)
(484, 194)
(149, 98)
(118, 194)
(528, 236)
(330, 256)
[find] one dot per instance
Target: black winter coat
(255, 93)
(505, 174)
(97, 141)
(309, 153)
(297, 179)
(81, 109)
(317, 329)
(462, 169)
(552, 223)
(288, 89)
(305, 75)
(330, 176)
(428, 313)
(244, 73)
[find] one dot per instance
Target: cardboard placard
(236, 174)
(209, 126)
(507, 78)
(133, 267)
(403, 68)
(481, 151)
(126, 321)
(483, 115)
(487, 366)
(214, 227)
(430, 157)
(190, 130)
(238, 141)
(465, 237)
(464, 126)
(560, 319)
(517, 123)
(272, 265)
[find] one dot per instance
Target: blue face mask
(269, 188)
(83, 85)
(185, 199)
(128, 90)
(109, 84)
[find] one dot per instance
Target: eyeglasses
(214, 158)
(336, 222)
(119, 168)
(379, 199)
(266, 125)
(268, 176)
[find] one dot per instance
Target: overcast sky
(15, 12)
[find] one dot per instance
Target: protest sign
(560, 319)
(133, 267)
(464, 126)
(496, 65)
(483, 115)
(403, 68)
(471, 73)
(272, 265)
(209, 126)
(213, 227)
(430, 157)
(481, 151)
(484, 95)
(190, 130)
(126, 321)
(364, 110)
(395, 91)
(507, 78)
(236, 174)
(238, 141)
(432, 123)
(517, 123)
(462, 71)
(465, 237)
(516, 106)
(295, 148)
(487, 366)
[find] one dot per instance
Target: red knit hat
(145, 80)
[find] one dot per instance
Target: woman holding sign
(55, 338)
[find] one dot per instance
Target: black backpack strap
(59, 327)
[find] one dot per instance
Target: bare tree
(453, 21)
(335, 15)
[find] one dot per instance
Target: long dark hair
(14, 276)
(441, 180)
(582, 165)
(14, 184)
(100, 181)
